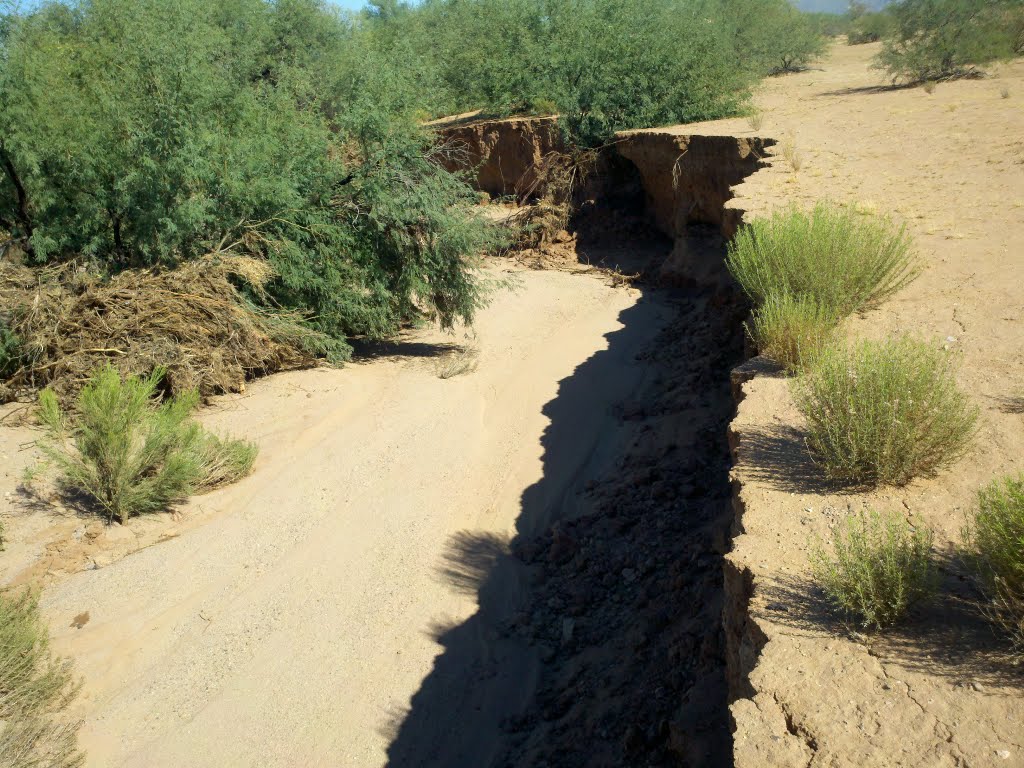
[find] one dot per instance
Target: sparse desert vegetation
(845, 260)
(196, 194)
(885, 412)
(995, 540)
(876, 567)
(35, 689)
(131, 454)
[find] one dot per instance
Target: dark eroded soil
(626, 603)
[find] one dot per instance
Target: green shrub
(790, 330)
(136, 133)
(878, 567)
(996, 541)
(944, 39)
(133, 455)
(35, 689)
(870, 27)
(843, 260)
(884, 412)
(606, 65)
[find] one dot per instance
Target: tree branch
(23, 216)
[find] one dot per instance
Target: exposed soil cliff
(503, 156)
(688, 179)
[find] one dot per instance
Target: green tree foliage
(944, 39)
(145, 132)
(830, 24)
(604, 65)
(772, 35)
(869, 26)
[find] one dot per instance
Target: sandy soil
(948, 164)
(327, 610)
(297, 621)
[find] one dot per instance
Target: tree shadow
(1012, 405)
(470, 557)
(869, 89)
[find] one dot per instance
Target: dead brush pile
(195, 321)
(551, 191)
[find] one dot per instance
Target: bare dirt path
(295, 625)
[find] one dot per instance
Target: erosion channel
(520, 564)
(610, 594)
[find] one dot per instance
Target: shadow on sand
(597, 641)
(486, 676)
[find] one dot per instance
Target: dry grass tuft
(792, 154)
(878, 567)
(191, 321)
(883, 413)
(756, 120)
(791, 330)
(459, 362)
(35, 689)
(929, 87)
(995, 538)
(1004, 92)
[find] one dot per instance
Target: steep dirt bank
(624, 572)
(809, 690)
(503, 155)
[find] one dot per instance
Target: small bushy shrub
(132, 454)
(878, 567)
(844, 260)
(791, 330)
(996, 541)
(35, 688)
(945, 39)
(884, 412)
(870, 27)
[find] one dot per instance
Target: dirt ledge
(808, 690)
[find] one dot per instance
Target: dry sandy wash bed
(297, 621)
(291, 620)
(951, 165)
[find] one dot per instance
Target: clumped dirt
(628, 599)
